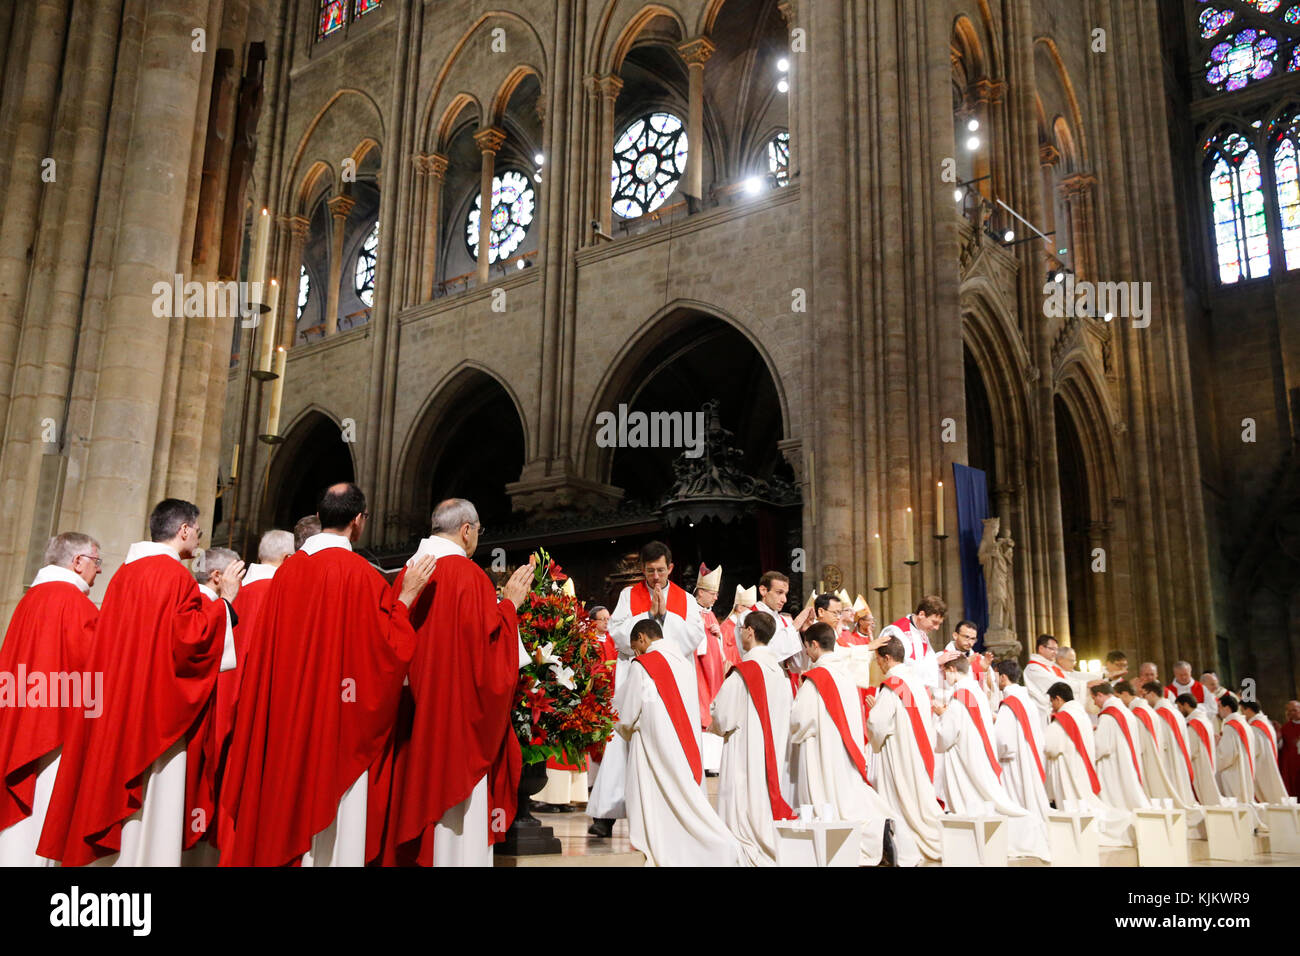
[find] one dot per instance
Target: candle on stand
(257, 261)
(277, 394)
(234, 462)
(879, 562)
(939, 511)
(269, 330)
(907, 533)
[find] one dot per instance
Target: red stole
(825, 684)
(751, 672)
(972, 707)
(1240, 727)
(1259, 723)
(1132, 746)
(1198, 691)
(656, 665)
(904, 694)
(1048, 667)
(1182, 744)
(1204, 733)
(1018, 708)
(730, 649)
(674, 599)
(1072, 731)
(904, 624)
(1147, 722)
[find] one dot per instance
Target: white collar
(761, 653)
(53, 572)
(259, 572)
(667, 648)
(208, 593)
(325, 539)
(828, 659)
(437, 546)
(149, 549)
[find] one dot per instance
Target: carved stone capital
(490, 140)
(1048, 155)
(430, 164)
(1077, 184)
(788, 11)
(341, 206)
(696, 52)
(298, 227)
(988, 92)
(606, 87)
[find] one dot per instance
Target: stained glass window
(1295, 59)
(365, 6)
(1213, 20)
(513, 202)
(365, 278)
(1292, 15)
(1285, 171)
(778, 157)
(1265, 6)
(1243, 57)
(648, 162)
(304, 290)
(333, 15)
(1240, 226)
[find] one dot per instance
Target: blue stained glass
(1245, 56)
(1213, 20)
(649, 159)
(333, 14)
(365, 6)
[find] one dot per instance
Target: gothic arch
(303, 459)
(1090, 408)
(610, 55)
(343, 115)
(507, 89)
(1062, 76)
(619, 381)
(999, 353)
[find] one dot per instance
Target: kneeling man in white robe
(902, 734)
(752, 716)
(1236, 754)
(1072, 782)
(973, 776)
(829, 765)
(1269, 787)
(1156, 782)
(1019, 742)
(669, 817)
(1200, 748)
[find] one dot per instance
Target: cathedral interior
(1049, 241)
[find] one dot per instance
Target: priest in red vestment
(710, 665)
(1288, 760)
(120, 794)
(744, 599)
(455, 773)
(319, 694)
(48, 643)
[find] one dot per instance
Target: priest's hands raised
(516, 588)
(416, 577)
(228, 579)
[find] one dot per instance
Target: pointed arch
(610, 54)
(347, 112)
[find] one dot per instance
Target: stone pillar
(1078, 191)
(295, 229)
(433, 168)
(339, 208)
(695, 53)
(787, 10)
(489, 141)
(607, 89)
(155, 176)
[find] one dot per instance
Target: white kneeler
(1074, 838)
(813, 842)
(1229, 832)
(1161, 836)
(973, 841)
(1283, 826)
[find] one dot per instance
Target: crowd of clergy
(306, 711)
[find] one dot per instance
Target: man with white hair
(120, 795)
(741, 604)
(1210, 681)
(50, 633)
(710, 665)
(1184, 684)
(1148, 672)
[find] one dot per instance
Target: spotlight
(1110, 316)
(1059, 277)
(539, 159)
(973, 143)
(783, 87)
(537, 177)
(753, 185)
(973, 125)
(783, 65)
(519, 264)
(958, 195)
(1009, 236)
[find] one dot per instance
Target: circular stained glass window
(649, 159)
(513, 204)
(1243, 57)
(365, 277)
(1213, 20)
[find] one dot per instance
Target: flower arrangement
(564, 701)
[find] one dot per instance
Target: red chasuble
(904, 694)
(1168, 717)
(319, 694)
(1016, 707)
(1289, 761)
(1110, 711)
(158, 645)
(463, 679)
(709, 668)
(640, 600)
(972, 707)
(202, 756)
(1198, 691)
(751, 672)
(50, 633)
(1076, 738)
(830, 693)
(662, 675)
(730, 647)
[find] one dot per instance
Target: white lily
(563, 676)
(547, 652)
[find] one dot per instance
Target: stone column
(787, 10)
(339, 208)
(154, 180)
(1078, 191)
(695, 53)
(607, 90)
(295, 229)
(434, 169)
(489, 141)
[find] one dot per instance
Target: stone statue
(995, 558)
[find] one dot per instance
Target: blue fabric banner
(972, 509)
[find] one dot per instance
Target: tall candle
(277, 394)
(269, 329)
(939, 511)
(257, 261)
(879, 562)
(234, 463)
(907, 533)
